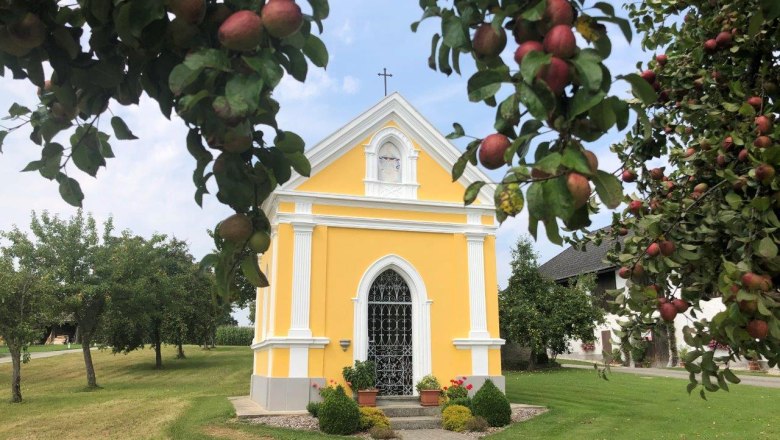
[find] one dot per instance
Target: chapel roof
(573, 262)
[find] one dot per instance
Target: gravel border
(308, 423)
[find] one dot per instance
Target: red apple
(635, 206)
(748, 306)
(492, 149)
(754, 281)
(763, 142)
(558, 12)
(593, 161)
(701, 188)
(242, 31)
(628, 176)
(653, 250)
(710, 45)
(757, 329)
(488, 42)
(765, 173)
(667, 247)
(681, 305)
(763, 124)
(623, 232)
(661, 59)
(282, 18)
(722, 161)
(579, 187)
(755, 101)
(624, 273)
(555, 75)
(526, 47)
(723, 39)
(649, 76)
(560, 41)
(191, 11)
(742, 156)
(657, 173)
(525, 30)
(668, 312)
(639, 271)
(728, 142)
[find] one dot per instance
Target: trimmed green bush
(339, 414)
(313, 408)
(490, 403)
(462, 401)
(371, 417)
(381, 432)
(232, 335)
(477, 424)
(454, 418)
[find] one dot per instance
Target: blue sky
(148, 187)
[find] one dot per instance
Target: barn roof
(573, 262)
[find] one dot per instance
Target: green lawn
(187, 400)
(40, 348)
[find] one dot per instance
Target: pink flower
(460, 382)
(469, 387)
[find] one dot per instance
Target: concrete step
(424, 422)
(397, 400)
(410, 410)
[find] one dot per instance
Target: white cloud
(350, 85)
(344, 33)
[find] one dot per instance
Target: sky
(148, 187)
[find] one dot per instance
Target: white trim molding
(337, 221)
(284, 342)
(301, 283)
(407, 187)
(421, 313)
(477, 307)
(469, 343)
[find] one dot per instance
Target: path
(41, 355)
(770, 382)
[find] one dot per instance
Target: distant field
(41, 348)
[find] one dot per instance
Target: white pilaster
(301, 283)
(272, 281)
(299, 362)
(479, 361)
(477, 310)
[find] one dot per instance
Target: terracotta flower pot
(429, 397)
(754, 366)
(367, 397)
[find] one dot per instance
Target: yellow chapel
(376, 257)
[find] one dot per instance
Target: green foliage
(313, 408)
(428, 382)
(477, 424)
(339, 414)
(456, 389)
(489, 402)
(540, 314)
(462, 401)
(454, 418)
(361, 376)
(234, 335)
(382, 432)
(371, 417)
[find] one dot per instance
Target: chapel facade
(376, 257)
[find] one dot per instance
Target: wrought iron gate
(390, 333)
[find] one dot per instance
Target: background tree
(537, 313)
(70, 249)
(26, 303)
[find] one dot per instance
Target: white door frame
(421, 313)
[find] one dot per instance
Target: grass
(630, 406)
(41, 348)
(188, 400)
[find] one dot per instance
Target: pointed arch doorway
(392, 324)
(390, 334)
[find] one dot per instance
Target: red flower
(445, 388)
(465, 378)
(314, 385)
(460, 382)
(469, 387)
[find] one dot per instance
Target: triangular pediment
(341, 162)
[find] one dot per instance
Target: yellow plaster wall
(446, 283)
(281, 362)
(344, 176)
(352, 211)
(261, 363)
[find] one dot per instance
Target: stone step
(424, 422)
(388, 400)
(410, 410)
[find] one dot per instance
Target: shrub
(428, 382)
(462, 401)
(313, 408)
(490, 403)
(477, 424)
(232, 335)
(371, 417)
(454, 418)
(617, 355)
(360, 377)
(338, 414)
(381, 432)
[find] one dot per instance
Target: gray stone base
(283, 393)
(478, 381)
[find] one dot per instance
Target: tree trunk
(157, 349)
(16, 375)
(671, 335)
(626, 354)
(91, 379)
(180, 352)
(532, 361)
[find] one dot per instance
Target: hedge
(232, 335)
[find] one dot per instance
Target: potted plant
(682, 353)
(429, 389)
(362, 379)
(753, 357)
